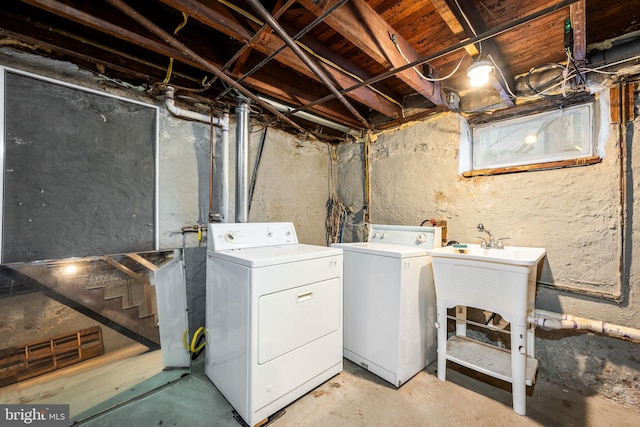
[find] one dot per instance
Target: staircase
(114, 290)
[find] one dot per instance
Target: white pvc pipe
(312, 118)
(224, 153)
(550, 320)
(179, 112)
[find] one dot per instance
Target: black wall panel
(79, 176)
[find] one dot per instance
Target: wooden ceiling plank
(474, 25)
(578, 13)
(452, 22)
(216, 20)
(367, 30)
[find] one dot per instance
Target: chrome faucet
(491, 243)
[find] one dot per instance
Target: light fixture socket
(479, 72)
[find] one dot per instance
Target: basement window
(551, 139)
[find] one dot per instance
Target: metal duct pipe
(242, 160)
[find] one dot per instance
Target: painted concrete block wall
(292, 184)
(573, 212)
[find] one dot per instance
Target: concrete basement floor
(356, 397)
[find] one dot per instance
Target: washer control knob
(230, 236)
(383, 235)
(375, 235)
(421, 238)
(288, 233)
(269, 234)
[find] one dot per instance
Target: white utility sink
(514, 255)
(502, 281)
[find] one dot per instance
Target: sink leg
(518, 368)
(461, 320)
(441, 314)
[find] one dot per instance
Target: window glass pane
(552, 136)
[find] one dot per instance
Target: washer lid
(426, 237)
(383, 249)
(274, 255)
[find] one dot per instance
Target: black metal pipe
(479, 38)
(308, 62)
(297, 37)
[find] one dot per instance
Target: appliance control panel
(224, 236)
(424, 237)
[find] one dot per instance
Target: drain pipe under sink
(550, 320)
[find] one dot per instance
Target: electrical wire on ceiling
(420, 74)
(167, 78)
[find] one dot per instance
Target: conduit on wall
(222, 123)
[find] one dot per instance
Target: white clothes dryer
(389, 301)
(273, 316)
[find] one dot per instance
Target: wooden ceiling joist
(578, 12)
(212, 16)
(361, 25)
(452, 22)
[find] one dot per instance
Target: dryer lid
(223, 236)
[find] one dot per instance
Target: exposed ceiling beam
(219, 19)
(150, 26)
(313, 66)
(578, 13)
(260, 36)
(500, 29)
(452, 22)
(362, 26)
(76, 15)
(472, 22)
(121, 33)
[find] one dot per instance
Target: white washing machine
(273, 316)
(389, 301)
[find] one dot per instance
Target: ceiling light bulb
(478, 72)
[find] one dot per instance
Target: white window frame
(521, 131)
